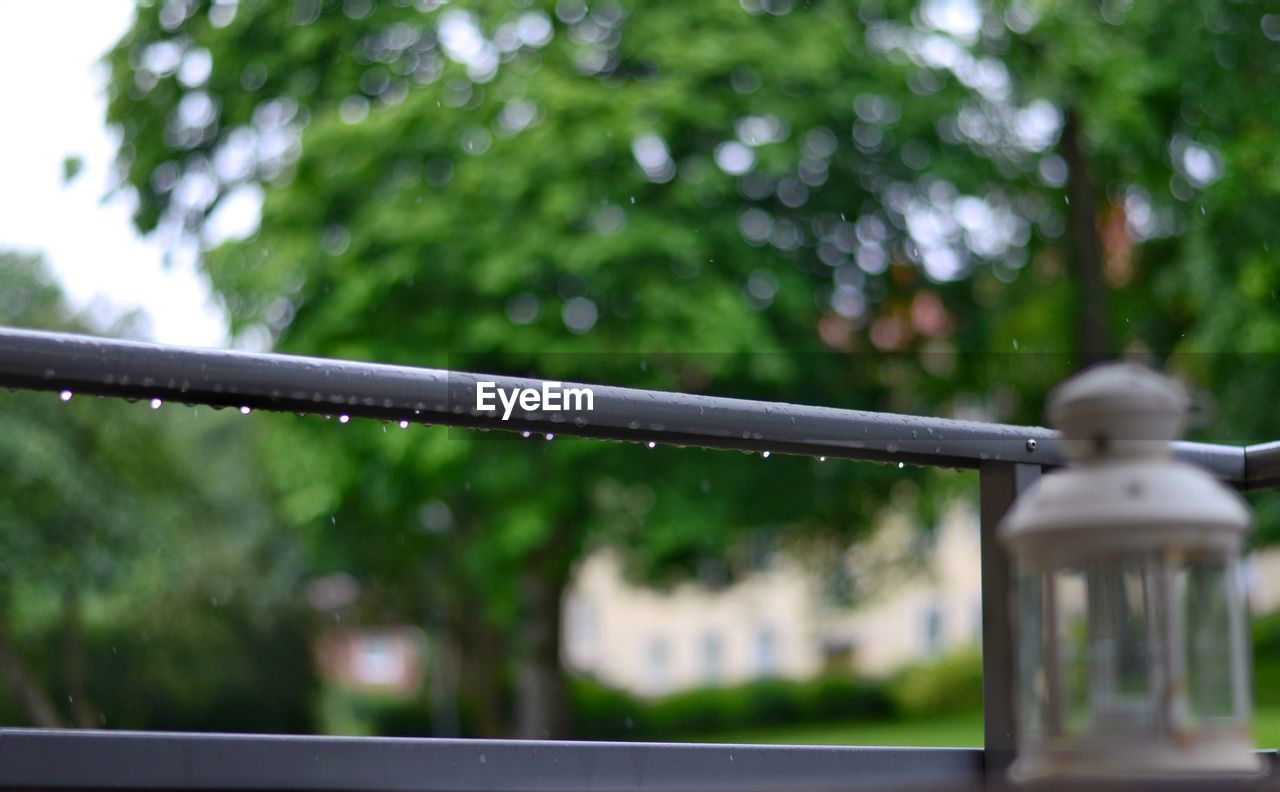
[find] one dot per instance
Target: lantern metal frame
(1135, 531)
(1008, 459)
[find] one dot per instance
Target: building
(915, 595)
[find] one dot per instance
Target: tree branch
(25, 686)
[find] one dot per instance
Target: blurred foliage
(184, 666)
(1266, 659)
(72, 166)
(851, 204)
(505, 222)
(109, 509)
(352, 713)
(945, 686)
(604, 714)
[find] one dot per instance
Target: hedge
(948, 685)
(1266, 659)
(603, 713)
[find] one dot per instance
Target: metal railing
(1007, 458)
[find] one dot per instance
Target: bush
(1266, 659)
(947, 686)
(605, 713)
(184, 667)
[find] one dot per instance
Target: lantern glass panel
(1108, 632)
(1212, 614)
(1148, 643)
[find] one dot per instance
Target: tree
(1183, 165)
(542, 204)
(542, 188)
(107, 508)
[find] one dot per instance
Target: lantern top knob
(1119, 411)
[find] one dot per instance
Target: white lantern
(1133, 657)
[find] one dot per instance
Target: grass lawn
(957, 731)
(953, 730)
(1266, 727)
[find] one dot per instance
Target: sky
(53, 105)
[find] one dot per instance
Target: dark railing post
(999, 484)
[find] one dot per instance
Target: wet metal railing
(107, 367)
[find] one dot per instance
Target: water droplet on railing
(65, 396)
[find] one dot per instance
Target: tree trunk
(1086, 249)
(542, 695)
(483, 653)
(24, 685)
(442, 673)
(74, 666)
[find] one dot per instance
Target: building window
(932, 629)
(839, 656)
(766, 652)
(657, 666)
(839, 584)
(712, 653)
(580, 627)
